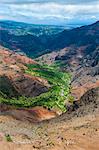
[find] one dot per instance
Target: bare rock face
(13, 79)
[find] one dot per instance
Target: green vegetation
(8, 138)
(57, 95)
(60, 85)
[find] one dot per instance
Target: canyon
(73, 55)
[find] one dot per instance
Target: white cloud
(52, 10)
(93, 17)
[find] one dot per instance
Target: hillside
(83, 36)
(25, 83)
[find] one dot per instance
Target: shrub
(8, 138)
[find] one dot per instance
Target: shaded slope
(7, 88)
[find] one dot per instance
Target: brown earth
(13, 76)
(78, 129)
(33, 115)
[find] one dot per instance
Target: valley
(50, 102)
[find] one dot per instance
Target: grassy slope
(54, 98)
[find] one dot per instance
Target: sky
(53, 12)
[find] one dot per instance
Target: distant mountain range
(35, 40)
(29, 39)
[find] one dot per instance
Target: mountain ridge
(38, 45)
